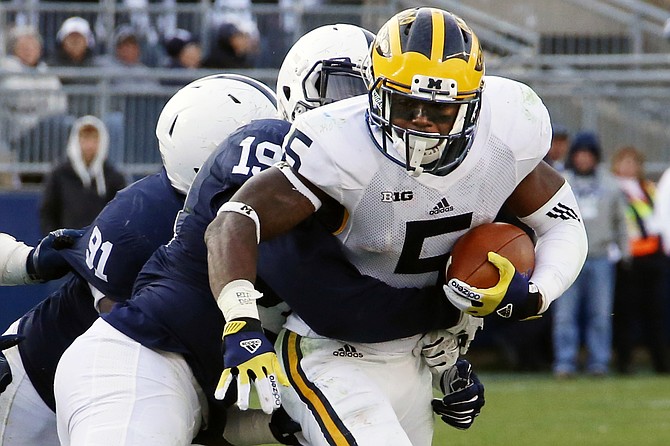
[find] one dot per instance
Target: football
(469, 261)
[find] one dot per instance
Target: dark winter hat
(226, 31)
(176, 42)
(588, 141)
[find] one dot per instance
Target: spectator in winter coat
(79, 187)
(35, 94)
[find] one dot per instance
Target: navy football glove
(284, 428)
(463, 396)
(44, 262)
(6, 341)
(248, 355)
(511, 298)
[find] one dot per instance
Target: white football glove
(465, 330)
(440, 349)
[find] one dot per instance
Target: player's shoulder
(517, 116)
(138, 219)
(269, 129)
(143, 196)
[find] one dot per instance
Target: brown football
(469, 261)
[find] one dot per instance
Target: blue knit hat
(588, 141)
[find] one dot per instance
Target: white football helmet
(201, 115)
(323, 66)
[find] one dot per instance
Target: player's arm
(544, 201)
(21, 264)
(267, 205)
(336, 300)
(270, 203)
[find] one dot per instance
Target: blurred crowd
(146, 48)
(620, 301)
(616, 315)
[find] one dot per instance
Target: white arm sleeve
(13, 256)
(561, 246)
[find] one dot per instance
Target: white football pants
(112, 391)
(350, 393)
(25, 418)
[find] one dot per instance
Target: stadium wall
(19, 217)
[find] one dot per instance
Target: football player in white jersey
(435, 149)
(173, 285)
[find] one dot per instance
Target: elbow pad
(561, 246)
(13, 256)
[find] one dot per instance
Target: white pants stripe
(356, 395)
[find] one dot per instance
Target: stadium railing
(621, 96)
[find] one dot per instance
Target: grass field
(537, 410)
(531, 410)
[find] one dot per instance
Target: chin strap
(415, 154)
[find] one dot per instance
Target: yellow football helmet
(426, 54)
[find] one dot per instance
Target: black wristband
(30, 266)
(252, 324)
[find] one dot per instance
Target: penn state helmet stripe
(334, 431)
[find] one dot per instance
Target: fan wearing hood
(79, 187)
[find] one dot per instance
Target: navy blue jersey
(109, 255)
(173, 309)
(308, 270)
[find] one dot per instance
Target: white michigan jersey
(400, 228)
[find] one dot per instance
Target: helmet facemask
(424, 151)
(329, 81)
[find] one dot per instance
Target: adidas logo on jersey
(347, 351)
(442, 206)
(251, 345)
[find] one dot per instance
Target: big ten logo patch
(390, 196)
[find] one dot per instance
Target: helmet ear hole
(287, 92)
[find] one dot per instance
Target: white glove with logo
(441, 348)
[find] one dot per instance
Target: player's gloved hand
(513, 297)
(441, 349)
(45, 262)
(248, 355)
(284, 428)
(6, 341)
(463, 396)
(465, 330)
